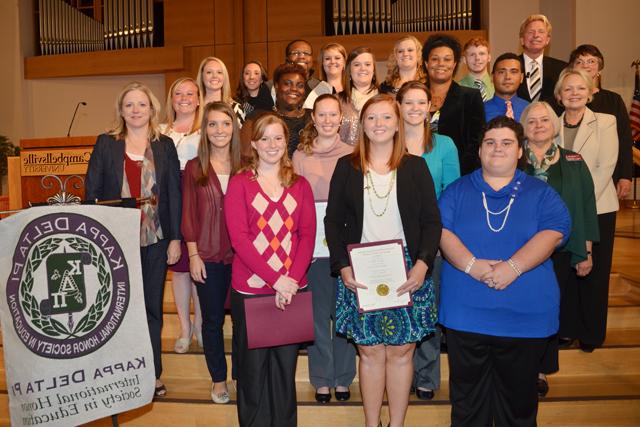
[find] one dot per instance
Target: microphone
(74, 116)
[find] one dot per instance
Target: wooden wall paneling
(255, 21)
(104, 63)
(14, 183)
(257, 52)
(294, 19)
(238, 37)
(226, 52)
(188, 22)
(224, 15)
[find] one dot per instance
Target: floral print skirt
(394, 326)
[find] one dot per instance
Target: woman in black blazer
(135, 160)
(456, 111)
(381, 193)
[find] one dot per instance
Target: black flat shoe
(587, 348)
(565, 342)
(542, 387)
(343, 396)
(323, 397)
(424, 394)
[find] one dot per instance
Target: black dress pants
(492, 380)
(588, 301)
(266, 377)
(153, 260)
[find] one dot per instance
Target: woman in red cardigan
(270, 216)
(204, 229)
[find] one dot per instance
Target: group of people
(505, 210)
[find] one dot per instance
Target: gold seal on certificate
(380, 266)
(382, 290)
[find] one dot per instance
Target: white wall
(612, 25)
(51, 102)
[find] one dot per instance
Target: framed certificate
(380, 266)
(321, 249)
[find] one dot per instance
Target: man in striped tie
(541, 71)
(476, 55)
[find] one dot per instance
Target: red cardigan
(203, 215)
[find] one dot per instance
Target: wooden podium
(63, 157)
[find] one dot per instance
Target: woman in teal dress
(379, 193)
(441, 155)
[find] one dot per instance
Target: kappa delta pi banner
(75, 337)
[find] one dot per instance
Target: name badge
(573, 157)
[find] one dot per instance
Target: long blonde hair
(119, 128)
(286, 174)
(204, 149)
(342, 51)
(226, 85)
(360, 156)
(393, 72)
(170, 113)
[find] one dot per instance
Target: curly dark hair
(283, 69)
(442, 40)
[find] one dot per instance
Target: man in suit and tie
(541, 71)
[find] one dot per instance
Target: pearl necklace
(386, 196)
(506, 209)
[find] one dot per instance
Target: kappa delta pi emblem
(68, 290)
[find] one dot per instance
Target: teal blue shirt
(443, 162)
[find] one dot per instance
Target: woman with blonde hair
(361, 85)
(403, 65)
(594, 136)
(183, 114)
(333, 57)
(134, 160)
(213, 81)
(332, 359)
(381, 193)
(270, 217)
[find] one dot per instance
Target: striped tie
(535, 82)
(479, 84)
(509, 112)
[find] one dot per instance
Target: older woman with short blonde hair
(595, 138)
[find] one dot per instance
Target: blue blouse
(530, 306)
(443, 162)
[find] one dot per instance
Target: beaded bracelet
(472, 261)
(514, 267)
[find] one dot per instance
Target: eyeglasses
(299, 53)
(591, 61)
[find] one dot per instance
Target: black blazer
(551, 69)
(106, 170)
(462, 119)
(416, 202)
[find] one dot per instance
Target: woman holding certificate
(381, 199)
(270, 218)
(499, 297)
(332, 359)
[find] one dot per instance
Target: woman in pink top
(332, 359)
(270, 216)
(205, 233)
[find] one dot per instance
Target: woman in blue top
(441, 155)
(499, 296)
